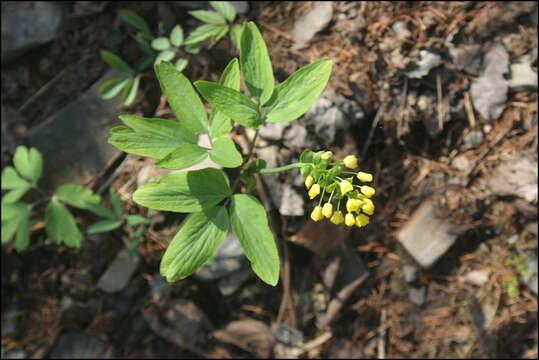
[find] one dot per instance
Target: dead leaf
(250, 335)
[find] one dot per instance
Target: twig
(468, 108)
(277, 31)
(371, 132)
(440, 105)
(381, 341)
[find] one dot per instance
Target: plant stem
(251, 148)
(282, 168)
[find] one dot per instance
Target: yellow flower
(316, 215)
(352, 205)
(350, 162)
(349, 219)
(364, 177)
(367, 191)
(368, 207)
(315, 190)
(337, 217)
(346, 186)
(327, 155)
(327, 210)
(309, 181)
(362, 220)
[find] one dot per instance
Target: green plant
(207, 194)
(60, 224)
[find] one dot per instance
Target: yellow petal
(327, 210)
(314, 191)
(346, 186)
(337, 218)
(327, 155)
(350, 162)
(367, 191)
(349, 219)
(364, 177)
(368, 207)
(309, 181)
(352, 205)
(362, 220)
(316, 215)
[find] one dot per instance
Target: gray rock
(522, 76)
(273, 131)
(409, 273)
(531, 278)
(116, 277)
(427, 61)
(227, 259)
(75, 345)
(417, 296)
(291, 202)
(242, 7)
(158, 284)
(27, 24)
(467, 58)
(74, 140)
(230, 284)
(9, 320)
(513, 239)
(297, 136)
(400, 30)
(460, 163)
(473, 139)
(15, 353)
(289, 341)
(489, 90)
(312, 22)
(425, 236)
(328, 124)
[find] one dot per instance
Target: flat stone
(231, 283)
(75, 345)
(27, 24)
(312, 22)
(522, 77)
(273, 131)
(116, 277)
(409, 273)
(73, 141)
(467, 58)
(291, 202)
(427, 61)
(473, 139)
(417, 295)
(460, 163)
(425, 236)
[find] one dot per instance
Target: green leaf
(183, 157)
(116, 63)
(29, 163)
(250, 224)
(11, 179)
(130, 91)
(165, 55)
(203, 32)
(193, 48)
(176, 36)
(134, 243)
(249, 180)
(210, 17)
(182, 98)
(185, 192)
(103, 226)
(112, 87)
(195, 243)
(145, 46)
(224, 153)
(16, 194)
(160, 44)
(16, 218)
(235, 35)
(181, 63)
(135, 20)
(133, 220)
(224, 8)
(150, 137)
(218, 36)
(220, 124)
(231, 102)
(77, 195)
(296, 94)
(256, 64)
(101, 210)
(116, 205)
(61, 226)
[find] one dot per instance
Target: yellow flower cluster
(359, 206)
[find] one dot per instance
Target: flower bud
(362, 220)
(352, 205)
(367, 191)
(309, 181)
(349, 219)
(327, 210)
(327, 155)
(316, 215)
(368, 207)
(350, 162)
(314, 191)
(337, 217)
(346, 186)
(364, 177)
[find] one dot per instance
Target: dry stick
(485, 152)
(440, 105)
(277, 31)
(381, 341)
(469, 110)
(371, 132)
